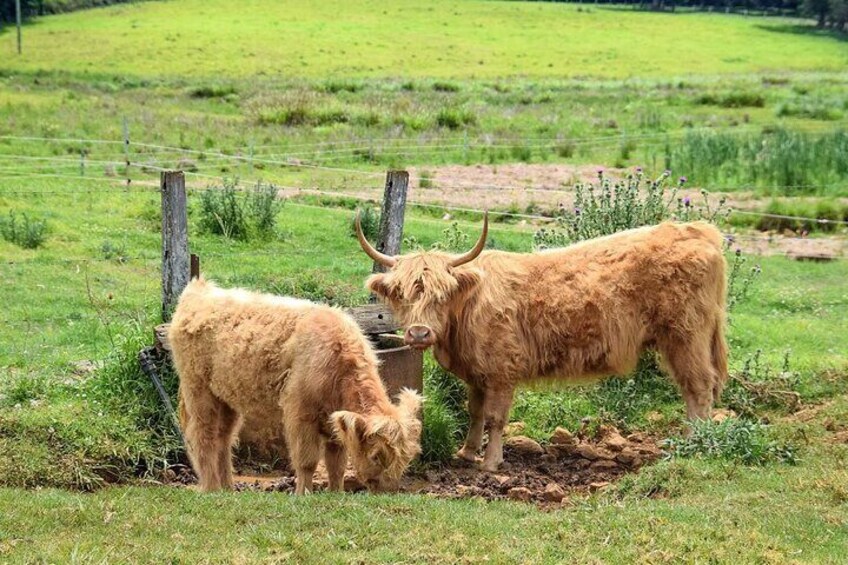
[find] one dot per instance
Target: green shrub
(733, 100)
(116, 251)
(736, 440)
(335, 86)
(425, 180)
(442, 86)
(369, 219)
(445, 414)
(240, 215)
(454, 240)
(809, 110)
(609, 207)
(24, 232)
(521, 153)
(454, 118)
(212, 91)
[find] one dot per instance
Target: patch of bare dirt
(530, 472)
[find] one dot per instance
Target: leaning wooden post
(391, 215)
(175, 256)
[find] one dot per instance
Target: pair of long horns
(389, 261)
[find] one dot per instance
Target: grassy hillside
(441, 38)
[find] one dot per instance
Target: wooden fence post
(175, 256)
(391, 215)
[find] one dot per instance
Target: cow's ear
(467, 278)
(410, 402)
(349, 427)
(379, 285)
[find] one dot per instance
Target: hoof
(467, 455)
(490, 466)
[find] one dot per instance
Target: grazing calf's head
(423, 288)
(381, 446)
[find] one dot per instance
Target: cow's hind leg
(335, 459)
(474, 439)
(209, 427)
(691, 366)
(496, 408)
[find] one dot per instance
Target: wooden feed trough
(261, 440)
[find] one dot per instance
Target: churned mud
(531, 472)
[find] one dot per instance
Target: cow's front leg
(474, 439)
(496, 408)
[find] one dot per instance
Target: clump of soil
(548, 474)
(530, 472)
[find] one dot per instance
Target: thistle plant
(606, 207)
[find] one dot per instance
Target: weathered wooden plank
(374, 319)
(175, 255)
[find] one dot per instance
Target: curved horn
(381, 258)
(478, 248)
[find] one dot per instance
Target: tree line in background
(831, 14)
(30, 8)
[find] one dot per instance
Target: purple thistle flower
(738, 252)
(686, 201)
(682, 180)
(577, 210)
(639, 170)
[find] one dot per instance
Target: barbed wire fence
(143, 162)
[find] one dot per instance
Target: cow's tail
(718, 346)
(719, 358)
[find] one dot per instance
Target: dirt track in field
(530, 472)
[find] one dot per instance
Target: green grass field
(362, 38)
(327, 96)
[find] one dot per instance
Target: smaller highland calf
(237, 351)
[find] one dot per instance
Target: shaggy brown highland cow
(236, 351)
(498, 319)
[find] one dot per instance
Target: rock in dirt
(626, 456)
(603, 464)
(614, 442)
(561, 436)
(502, 480)
(553, 493)
(468, 490)
(720, 415)
(594, 487)
(647, 450)
(520, 493)
(562, 451)
(524, 446)
(514, 429)
(593, 452)
(636, 437)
